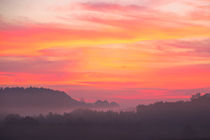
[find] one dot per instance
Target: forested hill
(198, 107)
(32, 99)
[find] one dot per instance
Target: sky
(108, 49)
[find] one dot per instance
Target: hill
(40, 100)
(197, 108)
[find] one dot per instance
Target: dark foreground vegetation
(160, 121)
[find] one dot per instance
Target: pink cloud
(109, 7)
(39, 64)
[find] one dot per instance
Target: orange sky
(107, 44)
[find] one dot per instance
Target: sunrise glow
(106, 45)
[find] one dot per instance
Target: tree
(195, 96)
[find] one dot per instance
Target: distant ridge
(199, 105)
(33, 99)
